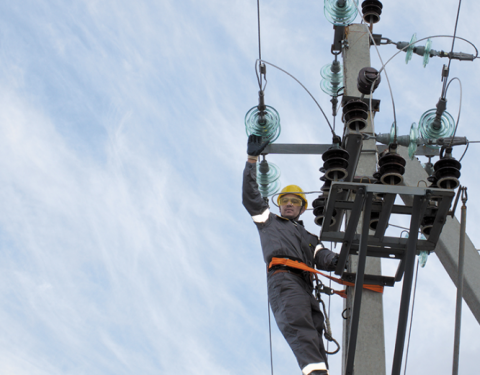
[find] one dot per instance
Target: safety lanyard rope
(304, 267)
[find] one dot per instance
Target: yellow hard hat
(295, 190)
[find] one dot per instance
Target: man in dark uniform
(296, 310)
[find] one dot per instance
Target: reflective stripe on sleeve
(314, 366)
(317, 249)
(263, 217)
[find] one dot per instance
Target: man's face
(291, 206)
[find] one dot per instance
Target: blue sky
(124, 247)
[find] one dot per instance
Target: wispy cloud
(124, 247)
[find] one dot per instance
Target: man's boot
(319, 372)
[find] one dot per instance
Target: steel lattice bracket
(437, 204)
(380, 199)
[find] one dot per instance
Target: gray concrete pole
(448, 244)
(370, 348)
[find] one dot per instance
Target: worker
(296, 310)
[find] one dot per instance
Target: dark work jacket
(280, 237)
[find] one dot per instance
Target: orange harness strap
(304, 267)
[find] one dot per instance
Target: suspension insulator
(391, 169)
(332, 81)
(368, 80)
(268, 175)
(335, 164)
(447, 173)
(340, 12)
(355, 114)
(429, 129)
(264, 123)
(371, 10)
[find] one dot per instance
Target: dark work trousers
(298, 316)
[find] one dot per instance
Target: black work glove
(333, 263)
(255, 145)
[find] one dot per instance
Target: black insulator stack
(446, 174)
(375, 215)
(391, 169)
(335, 164)
(319, 210)
(427, 223)
(368, 80)
(326, 186)
(371, 10)
(355, 114)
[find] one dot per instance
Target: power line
(444, 90)
(259, 40)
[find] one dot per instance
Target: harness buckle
(320, 288)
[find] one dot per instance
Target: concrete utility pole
(370, 348)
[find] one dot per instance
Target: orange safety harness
(302, 266)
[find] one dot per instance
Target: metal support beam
(296, 149)
(447, 246)
(385, 216)
(357, 301)
(352, 223)
(419, 206)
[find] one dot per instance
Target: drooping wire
(411, 318)
(464, 152)
(405, 229)
(444, 89)
(287, 73)
(389, 88)
(459, 106)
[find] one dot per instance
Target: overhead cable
(287, 73)
(459, 106)
(259, 41)
(444, 90)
